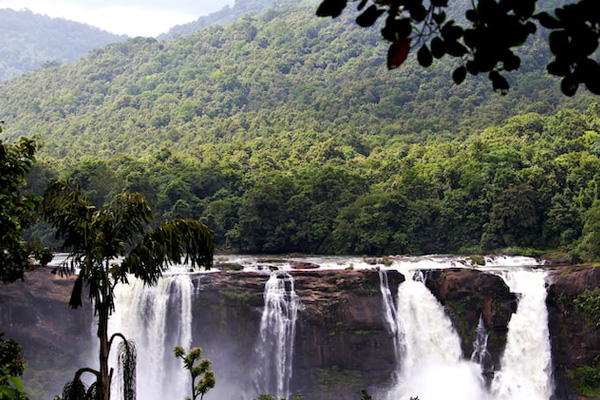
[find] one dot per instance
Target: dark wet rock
(304, 265)
(575, 339)
(467, 295)
(55, 338)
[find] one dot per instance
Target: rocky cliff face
(55, 339)
(575, 336)
(342, 343)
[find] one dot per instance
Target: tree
(207, 381)
(16, 207)
(590, 238)
(97, 237)
(11, 370)
(486, 42)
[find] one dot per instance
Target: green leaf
(438, 47)
(417, 11)
(471, 15)
(455, 49)
(439, 18)
(569, 85)
(369, 16)
(451, 32)
(459, 75)
(499, 83)
(424, 56)
(592, 77)
(331, 8)
(558, 40)
(512, 63)
(558, 68)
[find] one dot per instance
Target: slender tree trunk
(104, 378)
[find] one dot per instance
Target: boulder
(468, 294)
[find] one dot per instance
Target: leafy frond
(207, 381)
(125, 219)
(67, 210)
(75, 300)
(172, 242)
(127, 365)
(92, 393)
(75, 390)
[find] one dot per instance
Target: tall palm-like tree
(107, 245)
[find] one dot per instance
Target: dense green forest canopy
(284, 132)
(29, 41)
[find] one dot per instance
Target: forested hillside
(29, 40)
(285, 133)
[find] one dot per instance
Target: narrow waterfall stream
(480, 353)
(525, 371)
(157, 318)
(275, 347)
(389, 311)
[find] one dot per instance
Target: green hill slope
(285, 132)
(278, 74)
(29, 40)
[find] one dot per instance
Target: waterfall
(275, 348)
(389, 311)
(480, 353)
(526, 365)
(157, 318)
(431, 366)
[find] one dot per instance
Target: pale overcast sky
(130, 17)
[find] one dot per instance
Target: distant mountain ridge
(29, 40)
(226, 15)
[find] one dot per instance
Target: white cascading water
(480, 353)
(275, 347)
(525, 370)
(431, 366)
(157, 318)
(389, 311)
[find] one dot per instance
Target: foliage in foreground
(201, 370)
(17, 208)
(485, 37)
(11, 370)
